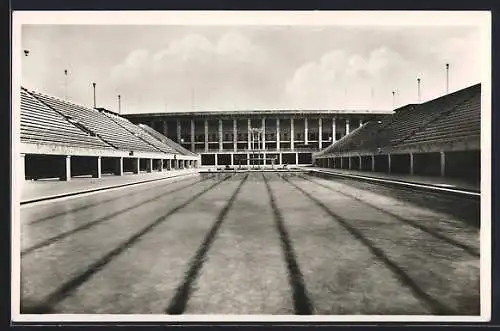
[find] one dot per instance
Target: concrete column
(297, 158)
(292, 133)
(341, 162)
(192, 135)
(360, 166)
(443, 164)
(264, 133)
(249, 125)
(96, 172)
(373, 162)
(347, 128)
(160, 165)
(136, 165)
(411, 164)
(206, 135)
(306, 130)
(165, 127)
(119, 166)
(232, 159)
(350, 163)
(220, 134)
(235, 135)
(278, 134)
(216, 159)
(334, 130)
(22, 167)
(320, 133)
(389, 161)
(149, 165)
(248, 159)
(179, 131)
(66, 169)
(280, 158)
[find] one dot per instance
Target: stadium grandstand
(60, 139)
(440, 137)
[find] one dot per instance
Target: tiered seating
(361, 139)
(410, 120)
(462, 122)
(166, 140)
(453, 116)
(42, 125)
(139, 132)
(104, 127)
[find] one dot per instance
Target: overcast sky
(177, 68)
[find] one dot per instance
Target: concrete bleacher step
(42, 124)
(141, 133)
(96, 122)
(454, 116)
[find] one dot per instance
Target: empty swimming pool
(251, 243)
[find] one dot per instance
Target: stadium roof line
(260, 112)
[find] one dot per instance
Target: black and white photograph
(251, 166)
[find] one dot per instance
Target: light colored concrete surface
(444, 182)
(53, 187)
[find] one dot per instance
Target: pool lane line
(88, 225)
(301, 302)
(65, 290)
(468, 249)
(100, 202)
(436, 307)
(178, 303)
(471, 194)
(77, 194)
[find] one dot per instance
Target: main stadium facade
(256, 137)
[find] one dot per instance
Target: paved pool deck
(51, 188)
(443, 182)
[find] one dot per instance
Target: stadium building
(256, 137)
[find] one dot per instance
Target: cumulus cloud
(350, 80)
(193, 70)
(157, 69)
(340, 79)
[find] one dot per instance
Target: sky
(185, 67)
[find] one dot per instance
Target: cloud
(340, 79)
(156, 69)
(228, 72)
(351, 80)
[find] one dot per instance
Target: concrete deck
(44, 189)
(444, 182)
